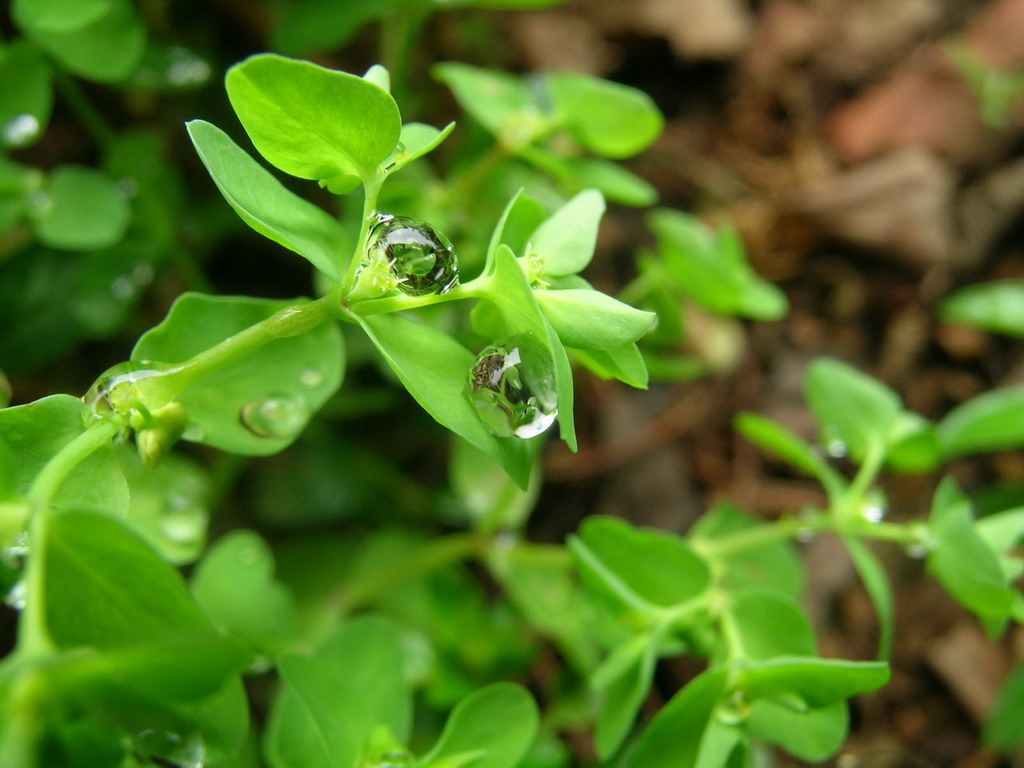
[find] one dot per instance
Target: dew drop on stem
(116, 390)
(275, 415)
(169, 748)
(512, 387)
(420, 258)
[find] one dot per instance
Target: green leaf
(235, 585)
(776, 564)
(607, 118)
(624, 680)
(624, 363)
(519, 220)
(770, 624)
(814, 735)
(35, 432)
(284, 382)
(102, 40)
(774, 438)
(417, 140)
(511, 292)
(167, 508)
(312, 122)
(80, 209)
(877, 585)
(656, 567)
(676, 734)
(1002, 726)
(588, 319)
(501, 103)
(992, 421)
(565, 242)
(996, 306)
(491, 728)
(917, 449)
(338, 697)
(852, 409)
(25, 82)
(613, 181)
(818, 682)
(435, 369)
(961, 560)
(265, 205)
(491, 499)
(712, 269)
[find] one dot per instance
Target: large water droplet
(188, 751)
(275, 415)
(512, 387)
(116, 389)
(420, 258)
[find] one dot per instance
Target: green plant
(383, 644)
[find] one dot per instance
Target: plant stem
(49, 479)
(371, 191)
(87, 114)
(471, 290)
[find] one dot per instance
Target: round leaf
(79, 209)
(313, 122)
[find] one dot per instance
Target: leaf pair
(350, 702)
(603, 117)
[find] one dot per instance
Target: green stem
(53, 474)
(472, 290)
(158, 390)
(433, 556)
(371, 191)
(87, 114)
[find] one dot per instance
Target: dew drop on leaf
(512, 387)
(115, 390)
(420, 258)
(15, 597)
(171, 748)
(21, 130)
(311, 377)
(275, 415)
(836, 449)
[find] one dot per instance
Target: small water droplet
(873, 513)
(184, 526)
(115, 390)
(512, 387)
(171, 748)
(735, 710)
(185, 69)
(275, 416)
(21, 130)
(806, 534)
(122, 288)
(916, 550)
(420, 258)
(15, 597)
(127, 187)
(19, 549)
(837, 449)
(311, 377)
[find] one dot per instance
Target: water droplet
(122, 288)
(873, 513)
(311, 377)
(275, 416)
(19, 549)
(735, 710)
(185, 69)
(916, 550)
(21, 130)
(806, 534)
(187, 751)
(420, 258)
(512, 387)
(837, 449)
(184, 527)
(15, 597)
(116, 390)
